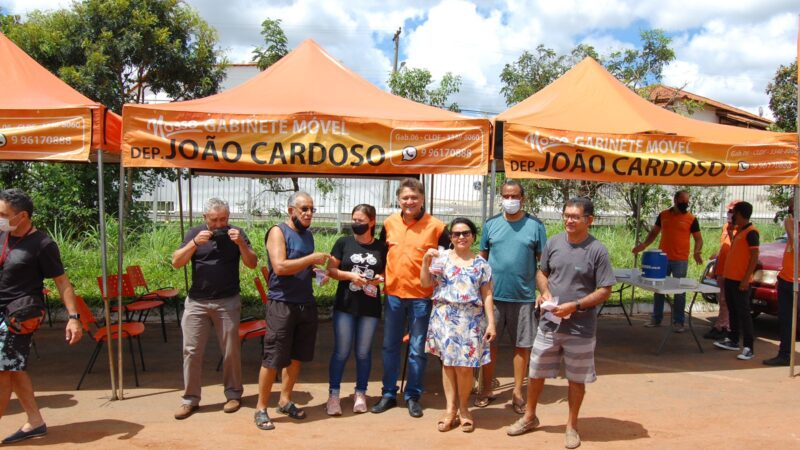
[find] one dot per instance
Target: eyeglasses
(460, 234)
(306, 209)
(570, 217)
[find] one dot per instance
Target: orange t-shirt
(407, 244)
(676, 227)
(739, 256)
(724, 248)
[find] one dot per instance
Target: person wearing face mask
(742, 261)
(214, 248)
(358, 262)
(28, 257)
(291, 312)
(512, 242)
(408, 235)
(722, 324)
(675, 225)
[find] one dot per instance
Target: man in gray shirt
(575, 275)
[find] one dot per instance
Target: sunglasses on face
(460, 234)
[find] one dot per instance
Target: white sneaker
(334, 407)
(360, 405)
(746, 354)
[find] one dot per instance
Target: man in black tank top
(291, 311)
(28, 256)
(214, 249)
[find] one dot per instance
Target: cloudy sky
(726, 50)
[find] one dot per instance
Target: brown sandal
(467, 425)
(447, 423)
(482, 401)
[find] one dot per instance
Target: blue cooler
(654, 265)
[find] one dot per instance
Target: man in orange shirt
(785, 295)
(675, 224)
(739, 268)
(408, 235)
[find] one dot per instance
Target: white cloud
(726, 50)
(733, 63)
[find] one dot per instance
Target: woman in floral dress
(462, 319)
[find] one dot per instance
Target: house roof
(661, 95)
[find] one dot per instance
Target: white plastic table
(669, 287)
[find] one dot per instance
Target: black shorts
(291, 334)
(14, 348)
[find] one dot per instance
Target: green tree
(782, 92)
(114, 51)
(276, 44)
(7, 21)
(415, 84)
(636, 68)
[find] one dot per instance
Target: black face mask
(220, 233)
(299, 225)
(359, 228)
(682, 207)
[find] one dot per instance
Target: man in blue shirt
(512, 243)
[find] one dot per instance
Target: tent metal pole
(492, 188)
(483, 200)
(183, 231)
(191, 201)
(793, 339)
(636, 236)
(120, 233)
(104, 270)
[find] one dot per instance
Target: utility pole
(387, 191)
(396, 40)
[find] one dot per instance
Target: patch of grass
(152, 249)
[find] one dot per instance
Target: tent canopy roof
(25, 84)
(309, 80)
(589, 99)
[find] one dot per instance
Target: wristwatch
(75, 316)
(578, 306)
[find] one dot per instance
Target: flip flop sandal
(263, 421)
(447, 423)
(291, 410)
(482, 401)
(519, 408)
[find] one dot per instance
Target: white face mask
(730, 217)
(5, 225)
(511, 206)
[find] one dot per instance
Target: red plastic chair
(252, 328)
(143, 307)
(129, 330)
(166, 294)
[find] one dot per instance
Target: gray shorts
(577, 351)
(518, 318)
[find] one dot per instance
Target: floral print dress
(458, 320)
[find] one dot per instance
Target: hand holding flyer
(548, 306)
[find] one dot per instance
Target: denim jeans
(677, 269)
(347, 330)
(418, 313)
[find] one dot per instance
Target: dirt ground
(679, 398)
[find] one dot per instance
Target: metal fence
(448, 196)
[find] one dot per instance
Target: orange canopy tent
(44, 119)
(588, 125)
(305, 114)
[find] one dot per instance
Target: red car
(765, 278)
